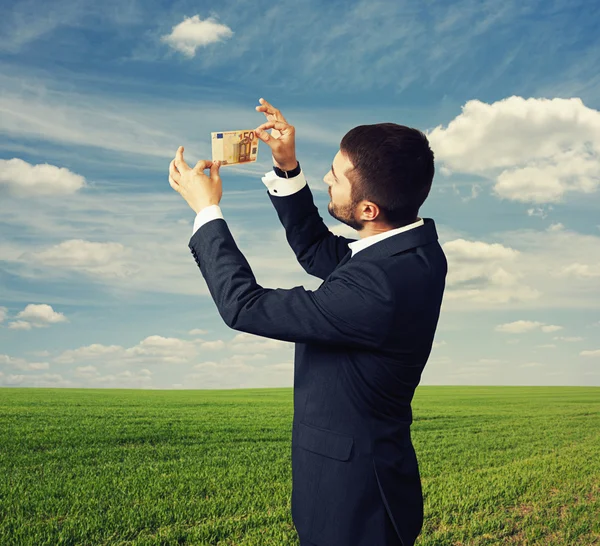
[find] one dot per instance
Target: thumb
(263, 135)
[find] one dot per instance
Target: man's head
(380, 177)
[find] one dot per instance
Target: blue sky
(98, 287)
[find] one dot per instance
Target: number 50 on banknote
(233, 147)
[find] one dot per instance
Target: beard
(345, 215)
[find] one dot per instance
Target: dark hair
(393, 167)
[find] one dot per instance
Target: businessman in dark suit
(361, 339)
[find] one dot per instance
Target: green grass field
(499, 465)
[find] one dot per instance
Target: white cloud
(250, 343)
(518, 327)
(22, 364)
(541, 212)
(550, 180)
(37, 366)
(475, 191)
(244, 367)
(569, 339)
(38, 316)
(213, 345)
(581, 270)
(82, 376)
(123, 380)
(522, 268)
(228, 364)
(107, 260)
(590, 353)
(548, 328)
(480, 272)
(3, 313)
(93, 351)
(236, 372)
(13, 379)
(31, 380)
(536, 150)
(524, 326)
(153, 349)
(42, 314)
(169, 350)
(475, 251)
(86, 371)
(19, 325)
(21, 179)
(193, 33)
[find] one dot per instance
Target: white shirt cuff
(280, 187)
(207, 214)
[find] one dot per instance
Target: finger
(214, 171)
(270, 111)
(173, 184)
(202, 164)
(173, 171)
(179, 161)
(279, 125)
(267, 108)
(265, 105)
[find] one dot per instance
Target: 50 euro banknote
(234, 147)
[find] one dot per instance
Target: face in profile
(340, 205)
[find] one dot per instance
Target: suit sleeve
(317, 250)
(352, 309)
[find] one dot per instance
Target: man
(361, 339)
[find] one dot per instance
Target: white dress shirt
(281, 187)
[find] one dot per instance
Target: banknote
(234, 147)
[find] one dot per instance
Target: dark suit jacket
(361, 342)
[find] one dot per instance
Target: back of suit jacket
(353, 462)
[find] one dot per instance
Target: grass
(499, 465)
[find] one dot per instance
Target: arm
(352, 309)
(317, 249)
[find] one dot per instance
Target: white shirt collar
(357, 246)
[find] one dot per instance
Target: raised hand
(282, 139)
